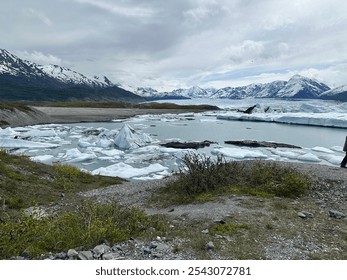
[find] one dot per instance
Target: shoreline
(79, 114)
(45, 115)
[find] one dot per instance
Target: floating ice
(309, 157)
(127, 171)
(285, 153)
(238, 153)
(128, 138)
(333, 159)
(75, 155)
(331, 119)
(8, 131)
(39, 133)
(323, 150)
(43, 158)
(19, 143)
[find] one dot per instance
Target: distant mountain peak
(69, 76)
(302, 87)
(25, 80)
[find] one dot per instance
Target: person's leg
(344, 161)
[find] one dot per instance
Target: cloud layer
(181, 43)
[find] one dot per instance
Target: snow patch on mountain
(69, 76)
(302, 87)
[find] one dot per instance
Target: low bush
(86, 227)
(202, 178)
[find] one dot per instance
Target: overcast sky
(167, 44)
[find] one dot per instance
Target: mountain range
(22, 80)
(298, 87)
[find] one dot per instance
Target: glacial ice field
(131, 148)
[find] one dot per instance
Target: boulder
(258, 144)
(187, 145)
(248, 110)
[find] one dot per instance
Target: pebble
(111, 256)
(305, 214)
(210, 245)
(85, 255)
(72, 254)
(336, 214)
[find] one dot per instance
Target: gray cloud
(165, 44)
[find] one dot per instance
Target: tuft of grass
(13, 106)
(23, 181)
(202, 179)
(227, 229)
(89, 225)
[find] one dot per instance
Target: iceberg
(8, 131)
(309, 157)
(74, 155)
(238, 153)
(43, 158)
(127, 171)
(128, 138)
(19, 143)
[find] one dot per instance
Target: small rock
(302, 215)
(116, 248)
(110, 256)
(171, 210)
(100, 250)
(210, 245)
(85, 255)
(162, 247)
(205, 231)
(25, 254)
(157, 256)
(305, 214)
(220, 222)
(336, 214)
(308, 214)
(147, 251)
(60, 256)
(72, 254)
(153, 245)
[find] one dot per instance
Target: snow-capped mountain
(12, 68)
(302, 87)
(147, 92)
(69, 76)
(297, 87)
(193, 92)
(339, 93)
(25, 80)
(253, 90)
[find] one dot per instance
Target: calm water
(199, 127)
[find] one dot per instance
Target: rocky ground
(310, 227)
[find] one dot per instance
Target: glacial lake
(82, 145)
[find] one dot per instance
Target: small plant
(227, 229)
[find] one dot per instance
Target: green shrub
(202, 174)
(227, 229)
(203, 178)
(86, 227)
